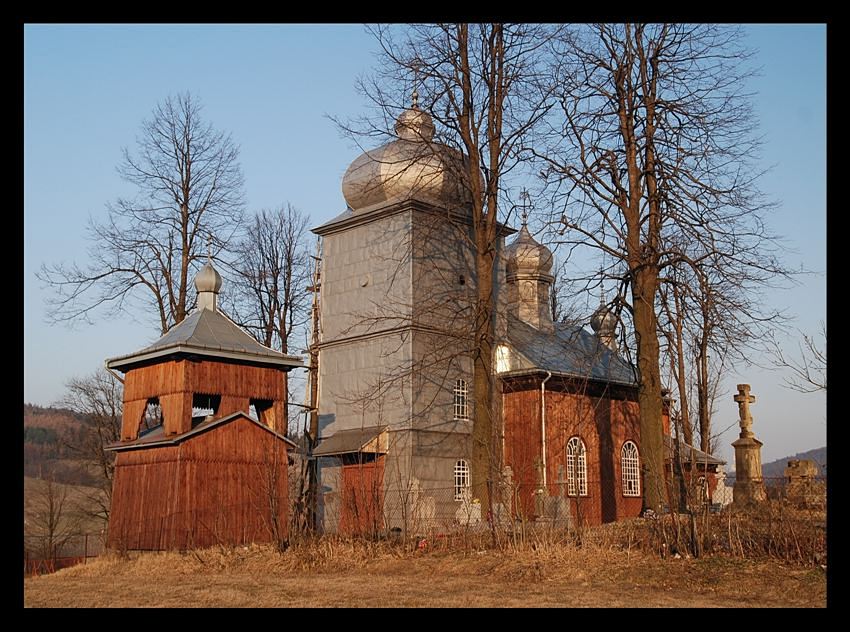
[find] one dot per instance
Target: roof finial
(524, 206)
(414, 98)
(209, 248)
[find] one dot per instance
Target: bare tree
(479, 84)
(272, 272)
(189, 194)
(808, 370)
(98, 399)
(51, 521)
(651, 161)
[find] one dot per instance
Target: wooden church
(196, 466)
(395, 377)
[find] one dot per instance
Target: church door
(362, 495)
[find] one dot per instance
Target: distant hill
(49, 434)
(776, 469)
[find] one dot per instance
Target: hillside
(776, 469)
(79, 504)
(49, 434)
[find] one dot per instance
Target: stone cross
(744, 399)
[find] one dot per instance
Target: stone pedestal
(749, 484)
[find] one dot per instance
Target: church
(395, 365)
(203, 457)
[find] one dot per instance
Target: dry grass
(333, 573)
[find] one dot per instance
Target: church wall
(366, 277)
(218, 487)
(175, 382)
(444, 275)
(603, 423)
(363, 383)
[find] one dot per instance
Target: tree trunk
(703, 399)
(681, 380)
(649, 393)
(482, 426)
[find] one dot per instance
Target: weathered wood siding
(175, 382)
(362, 500)
(224, 486)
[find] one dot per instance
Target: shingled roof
(689, 453)
(349, 441)
(569, 351)
(209, 333)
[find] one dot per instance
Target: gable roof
(569, 351)
(156, 436)
(349, 441)
(689, 453)
(210, 333)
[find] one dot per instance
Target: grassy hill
(80, 502)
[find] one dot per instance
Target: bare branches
(482, 85)
(98, 398)
(189, 188)
(651, 160)
(808, 369)
(271, 268)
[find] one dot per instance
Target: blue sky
(87, 89)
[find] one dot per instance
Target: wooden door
(363, 498)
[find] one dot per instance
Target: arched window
(576, 468)
(461, 479)
(461, 400)
(630, 465)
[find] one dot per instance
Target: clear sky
(88, 88)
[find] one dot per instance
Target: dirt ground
(377, 578)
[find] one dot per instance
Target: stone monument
(749, 484)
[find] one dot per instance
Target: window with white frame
(461, 400)
(630, 464)
(461, 479)
(576, 468)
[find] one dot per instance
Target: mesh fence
(789, 524)
(45, 554)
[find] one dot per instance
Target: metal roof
(569, 351)
(156, 436)
(689, 453)
(211, 333)
(347, 441)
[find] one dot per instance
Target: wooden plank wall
(225, 486)
(362, 498)
(176, 381)
(603, 423)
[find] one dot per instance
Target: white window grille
(461, 479)
(576, 468)
(461, 400)
(630, 464)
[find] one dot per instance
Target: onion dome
(603, 322)
(412, 166)
(528, 257)
(208, 279)
(208, 283)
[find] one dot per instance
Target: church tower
(194, 467)
(395, 363)
(529, 281)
